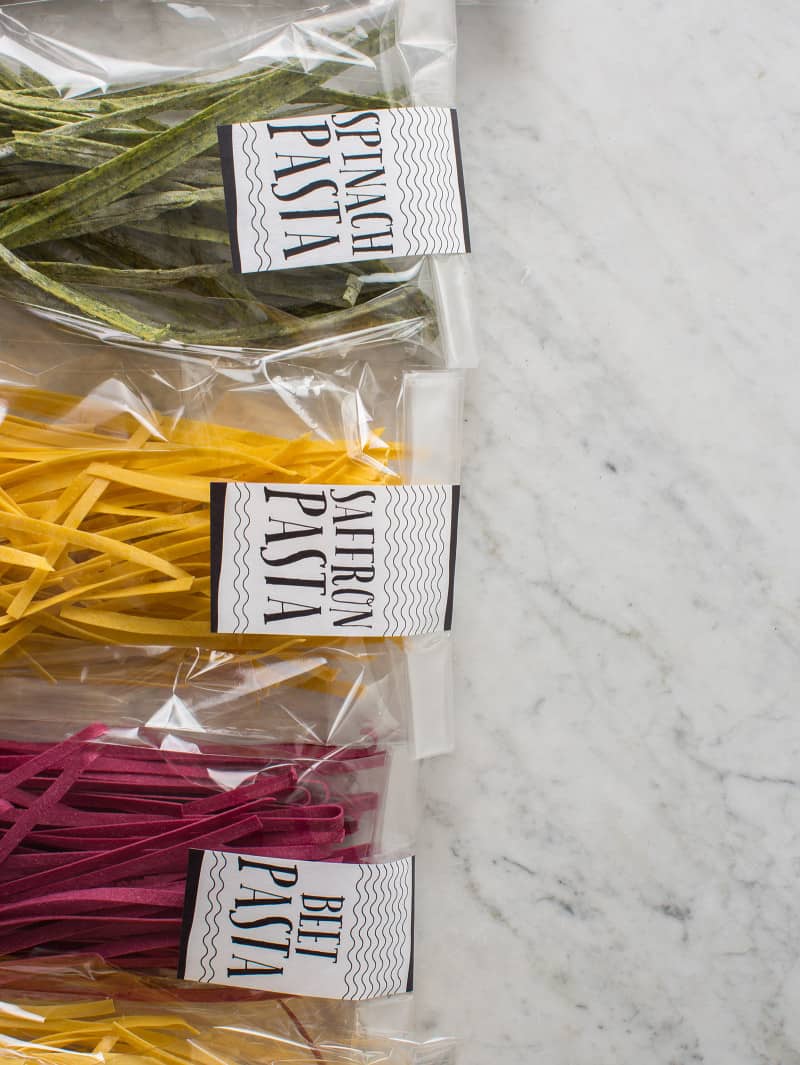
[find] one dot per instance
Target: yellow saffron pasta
(154, 1029)
(104, 521)
(85, 1033)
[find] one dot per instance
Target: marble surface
(609, 864)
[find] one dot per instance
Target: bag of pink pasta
(96, 828)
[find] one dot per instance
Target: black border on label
(461, 186)
(448, 613)
(410, 981)
(189, 903)
(217, 530)
(225, 138)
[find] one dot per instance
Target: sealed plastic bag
(106, 463)
(112, 208)
(98, 822)
(82, 1010)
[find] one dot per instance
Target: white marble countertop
(609, 865)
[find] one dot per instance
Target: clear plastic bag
(97, 822)
(112, 218)
(83, 1010)
(104, 532)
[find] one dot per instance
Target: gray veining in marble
(609, 865)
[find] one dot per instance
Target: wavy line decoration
(445, 196)
(248, 539)
(400, 885)
(430, 521)
(442, 561)
(359, 986)
(437, 184)
(392, 548)
(422, 550)
(413, 551)
(450, 180)
(349, 981)
(446, 178)
(406, 592)
(436, 522)
(406, 169)
(369, 968)
(378, 954)
(234, 493)
(427, 202)
(212, 907)
(414, 151)
(417, 549)
(396, 885)
(260, 237)
(217, 912)
(386, 949)
(408, 551)
(427, 180)
(240, 529)
(402, 184)
(371, 961)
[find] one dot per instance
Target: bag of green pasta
(237, 177)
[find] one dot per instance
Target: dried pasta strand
(194, 488)
(24, 558)
(78, 510)
(62, 534)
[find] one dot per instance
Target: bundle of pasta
(104, 520)
(96, 830)
(151, 1029)
(113, 216)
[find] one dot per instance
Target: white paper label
(316, 189)
(302, 928)
(332, 560)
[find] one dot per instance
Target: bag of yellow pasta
(80, 1011)
(184, 537)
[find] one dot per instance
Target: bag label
(332, 560)
(322, 189)
(297, 927)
